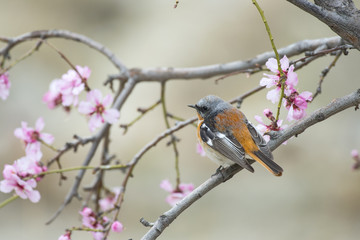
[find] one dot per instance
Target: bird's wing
(225, 144)
(259, 140)
(263, 155)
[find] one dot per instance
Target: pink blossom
(274, 80)
(96, 107)
(264, 128)
(176, 194)
(109, 201)
(90, 220)
(88, 217)
(28, 166)
(117, 227)
(296, 104)
(200, 150)
(4, 85)
(33, 137)
(72, 85)
(53, 97)
(13, 180)
(355, 153)
(66, 236)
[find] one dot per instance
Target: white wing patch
(225, 145)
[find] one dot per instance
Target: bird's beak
(192, 106)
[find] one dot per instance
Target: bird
(228, 138)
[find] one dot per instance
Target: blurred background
(318, 197)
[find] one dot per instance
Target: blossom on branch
(66, 236)
(4, 85)
(91, 220)
(275, 80)
(176, 194)
(296, 104)
(117, 227)
(72, 84)
(53, 97)
(19, 177)
(109, 201)
(266, 128)
(97, 108)
(65, 91)
(33, 137)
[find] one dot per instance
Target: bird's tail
(268, 163)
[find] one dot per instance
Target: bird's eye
(205, 108)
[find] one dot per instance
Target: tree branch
(321, 114)
(167, 73)
(340, 15)
(44, 34)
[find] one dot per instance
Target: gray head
(210, 105)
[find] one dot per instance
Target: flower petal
(284, 62)
(306, 95)
(94, 96)
(111, 115)
(271, 64)
(86, 108)
(268, 82)
(117, 227)
(292, 78)
(259, 119)
(273, 95)
(108, 99)
(34, 196)
(39, 125)
(166, 185)
(95, 121)
(47, 138)
(6, 186)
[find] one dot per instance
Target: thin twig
(324, 74)
(143, 112)
(173, 138)
(70, 145)
(282, 74)
(26, 55)
(67, 60)
(247, 71)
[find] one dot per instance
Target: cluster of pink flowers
(33, 138)
(296, 103)
(273, 126)
(90, 220)
(66, 91)
(4, 86)
(20, 175)
(176, 194)
(109, 201)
